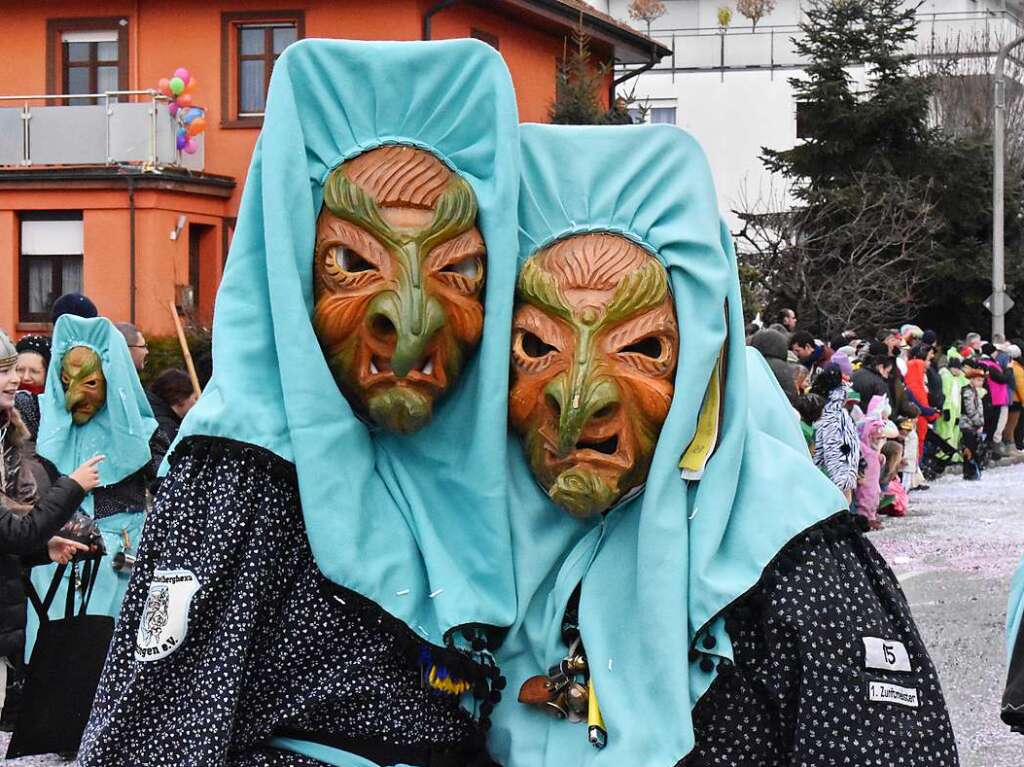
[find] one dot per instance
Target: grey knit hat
(8, 354)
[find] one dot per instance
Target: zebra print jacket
(836, 443)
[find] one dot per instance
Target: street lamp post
(999, 140)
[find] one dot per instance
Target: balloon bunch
(178, 87)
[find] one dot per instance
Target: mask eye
(350, 261)
(651, 347)
(468, 267)
(531, 352)
(533, 347)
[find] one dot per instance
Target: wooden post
(185, 350)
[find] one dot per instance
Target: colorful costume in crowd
(700, 594)
(329, 557)
(94, 404)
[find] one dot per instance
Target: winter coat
(773, 347)
(868, 384)
(1018, 381)
(167, 425)
(936, 397)
(836, 443)
(972, 413)
(948, 426)
(24, 535)
(869, 490)
(917, 386)
(998, 390)
(902, 407)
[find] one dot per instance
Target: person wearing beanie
(998, 412)
(33, 359)
(73, 303)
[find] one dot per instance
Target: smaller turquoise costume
(120, 430)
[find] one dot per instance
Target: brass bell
(557, 706)
(577, 700)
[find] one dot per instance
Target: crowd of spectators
(886, 412)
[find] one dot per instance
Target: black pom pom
(500, 683)
(706, 664)
(478, 644)
(495, 696)
(486, 708)
(725, 667)
(709, 642)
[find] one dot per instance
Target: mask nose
(576, 406)
(407, 324)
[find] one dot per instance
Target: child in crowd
(972, 421)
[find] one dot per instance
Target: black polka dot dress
(270, 648)
(829, 668)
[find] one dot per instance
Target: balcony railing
(34, 131)
(770, 47)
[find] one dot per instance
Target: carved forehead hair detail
(595, 261)
(399, 175)
(597, 264)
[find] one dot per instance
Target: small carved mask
(85, 386)
(398, 278)
(594, 349)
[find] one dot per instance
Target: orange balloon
(164, 86)
(191, 86)
(184, 100)
(196, 127)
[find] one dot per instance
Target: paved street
(955, 553)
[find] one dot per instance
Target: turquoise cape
(659, 568)
(120, 430)
(416, 523)
(1015, 611)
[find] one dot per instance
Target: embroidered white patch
(883, 692)
(164, 622)
(886, 655)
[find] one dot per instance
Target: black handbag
(64, 670)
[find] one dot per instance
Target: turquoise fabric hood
(659, 568)
(1014, 611)
(120, 430)
(416, 523)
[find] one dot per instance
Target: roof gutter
(429, 15)
(629, 76)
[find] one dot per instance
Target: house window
(804, 120)
(87, 56)
(51, 261)
(487, 37)
(252, 42)
(663, 115)
(653, 115)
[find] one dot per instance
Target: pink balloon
(191, 146)
(173, 108)
(182, 73)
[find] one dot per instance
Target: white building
(730, 88)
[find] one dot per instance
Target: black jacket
(867, 383)
(27, 535)
(167, 425)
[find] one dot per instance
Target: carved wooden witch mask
(398, 279)
(594, 350)
(85, 385)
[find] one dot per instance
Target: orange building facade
(94, 196)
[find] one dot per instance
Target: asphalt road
(955, 553)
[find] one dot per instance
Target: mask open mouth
(426, 371)
(609, 446)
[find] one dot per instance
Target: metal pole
(998, 142)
